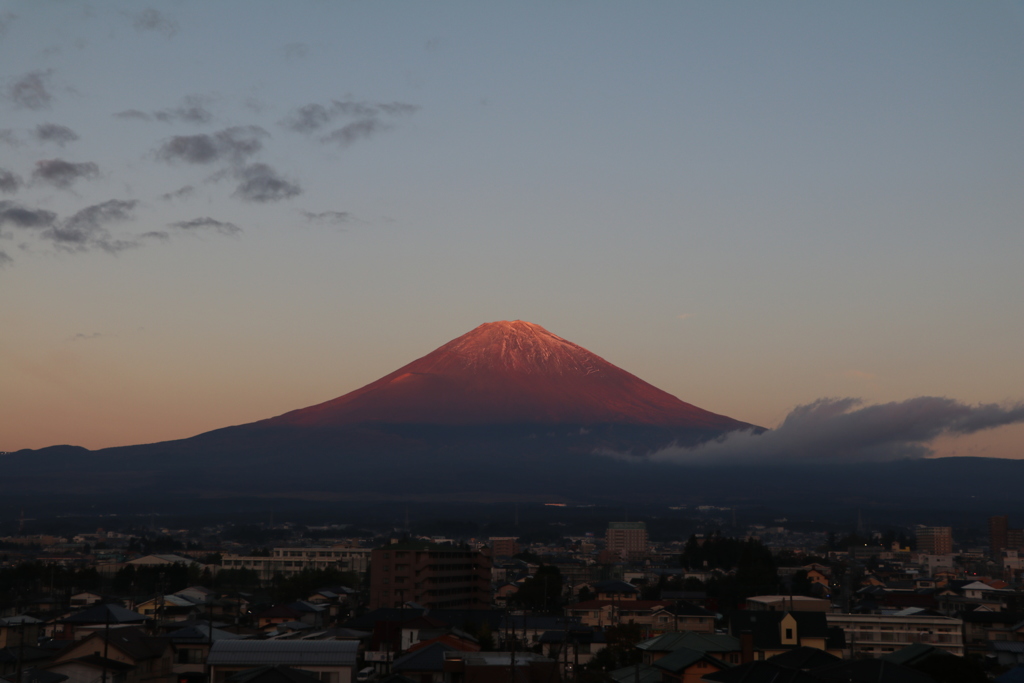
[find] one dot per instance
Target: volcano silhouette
(508, 409)
(509, 372)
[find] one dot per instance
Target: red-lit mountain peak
(509, 372)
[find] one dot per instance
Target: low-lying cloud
(838, 430)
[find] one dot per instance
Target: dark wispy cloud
(835, 430)
(357, 130)
(19, 216)
(333, 217)
(231, 144)
(261, 183)
(193, 109)
(133, 114)
(63, 174)
(150, 19)
(295, 50)
(5, 260)
(314, 117)
(9, 181)
(87, 228)
(8, 137)
(82, 336)
(207, 223)
(180, 193)
(6, 19)
(30, 91)
(51, 132)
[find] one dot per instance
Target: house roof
(871, 671)
(803, 657)
(645, 673)
(616, 586)
(102, 614)
(283, 652)
(36, 676)
(429, 658)
(200, 633)
(765, 626)
(705, 642)
(683, 658)
(133, 642)
(914, 653)
(761, 672)
(274, 674)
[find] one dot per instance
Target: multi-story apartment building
(628, 539)
(430, 574)
(935, 540)
(873, 635)
(289, 561)
(504, 546)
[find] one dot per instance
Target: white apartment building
(874, 635)
(289, 561)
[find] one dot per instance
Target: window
(789, 634)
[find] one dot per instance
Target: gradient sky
(216, 212)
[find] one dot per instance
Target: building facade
(935, 540)
(290, 561)
(430, 574)
(628, 539)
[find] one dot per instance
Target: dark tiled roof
(430, 658)
(804, 657)
(871, 671)
(101, 614)
(274, 674)
(761, 672)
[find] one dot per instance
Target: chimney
(746, 646)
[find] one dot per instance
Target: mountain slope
(509, 372)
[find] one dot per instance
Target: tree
(542, 591)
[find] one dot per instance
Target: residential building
(873, 635)
(332, 661)
(627, 539)
(504, 546)
(935, 540)
(430, 574)
(291, 561)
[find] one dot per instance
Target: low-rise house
(773, 633)
(332, 661)
(688, 666)
(488, 667)
(125, 654)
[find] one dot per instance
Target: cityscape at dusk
(214, 213)
(542, 342)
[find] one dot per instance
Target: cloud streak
(63, 174)
(838, 430)
(313, 118)
(51, 132)
(30, 91)
(261, 183)
(231, 144)
(9, 181)
(207, 223)
(22, 217)
(86, 229)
